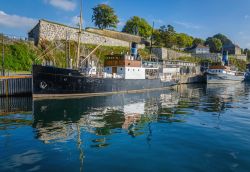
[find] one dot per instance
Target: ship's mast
(79, 37)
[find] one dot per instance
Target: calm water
(190, 128)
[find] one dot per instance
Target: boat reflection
(58, 120)
(97, 122)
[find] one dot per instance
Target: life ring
(43, 85)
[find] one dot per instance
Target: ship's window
(121, 68)
(138, 69)
(133, 69)
(108, 68)
(128, 69)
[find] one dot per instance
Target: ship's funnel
(134, 49)
(225, 58)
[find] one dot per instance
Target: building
(52, 31)
(199, 49)
(232, 49)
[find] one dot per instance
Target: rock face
(46, 30)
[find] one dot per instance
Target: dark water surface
(189, 128)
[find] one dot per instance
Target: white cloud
(75, 20)
(188, 25)
(106, 2)
(15, 21)
(159, 21)
(121, 23)
(247, 16)
(67, 5)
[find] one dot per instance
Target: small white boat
(222, 75)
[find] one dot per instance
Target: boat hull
(222, 78)
(53, 82)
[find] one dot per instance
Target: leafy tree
(247, 52)
(170, 28)
(184, 40)
(170, 40)
(198, 41)
(138, 26)
(157, 38)
(165, 36)
(104, 17)
(214, 44)
(224, 39)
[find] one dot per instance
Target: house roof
(201, 46)
(198, 46)
(217, 67)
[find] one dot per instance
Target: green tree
(198, 41)
(138, 26)
(184, 40)
(170, 28)
(104, 17)
(247, 52)
(224, 39)
(214, 44)
(170, 40)
(166, 36)
(157, 38)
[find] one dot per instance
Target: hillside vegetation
(20, 55)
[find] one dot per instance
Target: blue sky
(199, 18)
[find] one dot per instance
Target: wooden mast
(79, 38)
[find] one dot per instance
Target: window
(121, 68)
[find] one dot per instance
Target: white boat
(222, 75)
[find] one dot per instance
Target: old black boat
(121, 73)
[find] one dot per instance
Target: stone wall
(209, 56)
(46, 30)
(240, 57)
(168, 54)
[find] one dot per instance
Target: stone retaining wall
(46, 30)
(168, 54)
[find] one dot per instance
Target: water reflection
(103, 118)
(58, 120)
(11, 105)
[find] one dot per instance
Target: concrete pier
(15, 85)
(191, 79)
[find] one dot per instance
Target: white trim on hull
(223, 79)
